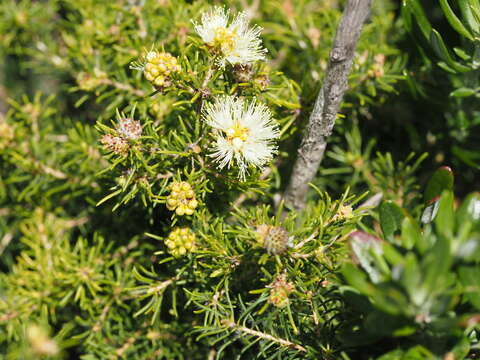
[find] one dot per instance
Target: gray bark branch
(327, 104)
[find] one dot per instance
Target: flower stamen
(237, 135)
(224, 39)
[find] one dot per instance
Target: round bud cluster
(115, 144)
(274, 239)
(280, 289)
(158, 68)
(6, 134)
(243, 73)
(180, 241)
(40, 343)
(344, 212)
(262, 81)
(181, 198)
(129, 129)
(377, 70)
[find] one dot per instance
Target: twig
(211, 354)
(303, 242)
(77, 222)
(5, 241)
(208, 76)
(124, 87)
(162, 286)
(283, 342)
(322, 118)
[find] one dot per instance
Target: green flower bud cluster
(182, 199)
(159, 67)
(180, 241)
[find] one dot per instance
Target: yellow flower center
(224, 39)
(237, 135)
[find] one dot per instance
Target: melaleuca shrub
(139, 203)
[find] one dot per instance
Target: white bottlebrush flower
(245, 132)
(235, 42)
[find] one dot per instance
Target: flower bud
(180, 241)
(180, 210)
(280, 289)
(181, 199)
(159, 67)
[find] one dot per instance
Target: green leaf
(445, 219)
(454, 20)
(463, 92)
(409, 274)
(441, 180)
(469, 211)
(461, 348)
(468, 15)
(379, 323)
(475, 7)
(357, 279)
(461, 53)
(443, 53)
(436, 265)
(391, 216)
(392, 355)
(413, 7)
(470, 279)
(469, 157)
(355, 299)
(411, 233)
(418, 352)
(368, 252)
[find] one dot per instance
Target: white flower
(236, 42)
(245, 132)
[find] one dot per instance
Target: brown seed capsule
(273, 238)
(243, 73)
(115, 144)
(129, 129)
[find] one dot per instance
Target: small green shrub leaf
(391, 216)
(443, 53)
(463, 92)
(441, 180)
(413, 7)
(454, 20)
(470, 279)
